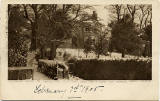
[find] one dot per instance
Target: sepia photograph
(79, 42)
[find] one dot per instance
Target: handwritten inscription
(39, 89)
(84, 89)
(43, 89)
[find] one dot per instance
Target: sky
(102, 13)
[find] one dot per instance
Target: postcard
(79, 49)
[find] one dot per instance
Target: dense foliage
(125, 35)
(147, 36)
(18, 56)
(115, 69)
(53, 69)
(17, 41)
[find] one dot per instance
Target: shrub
(17, 57)
(52, 68)
(17, 50)
(118, 69)
(72, 60)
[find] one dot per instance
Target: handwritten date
(73, 89)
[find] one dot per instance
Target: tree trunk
(53, 52)
(98, 56)
(33, 42)
(150, 48)
(123, 53)
(42, 50)
(34, 26)
(34, 37)
(86, 55)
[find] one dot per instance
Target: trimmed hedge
(52, 69)
(115, 69)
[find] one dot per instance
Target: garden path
(40, 76)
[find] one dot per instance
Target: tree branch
(26, 13)
(129, 9)
(77, 12)
(146, 19)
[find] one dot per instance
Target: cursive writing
(84, 89)
(39, 89)
(43, 89)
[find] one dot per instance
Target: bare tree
(132, 10)
(145, 15)
(116, 11)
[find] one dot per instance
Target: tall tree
(116, 11)
(124, 35)
(57, 22)
(144, 15)
(32, 13)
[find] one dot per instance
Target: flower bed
(112, 69)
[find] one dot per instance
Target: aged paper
(86, 88)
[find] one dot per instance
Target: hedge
(53, 69)
(112, 69)
(18, 56)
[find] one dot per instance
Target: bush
(17, 49)
(17, 57)
(52, 69)
(72, 60)
(118, 69)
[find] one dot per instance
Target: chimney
(94, 15)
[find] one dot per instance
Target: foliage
(44, 22)
(72, 60)
(58, 27)
(125, 35)
(101, 47)
(17, 50)
(147, 36)
(17, 41)
(148, 33)
(51, 68)
(18, 57)
(116, 69)
(58, 24)
(97, 41)
(140, 14)
(89, 45)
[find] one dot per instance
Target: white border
(113, 90)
